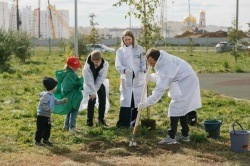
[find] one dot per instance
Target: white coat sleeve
(89, 85)
(143, 61)
(162, 84)
(101, 76)
(151, 77)
(118, 62)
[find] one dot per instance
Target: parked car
(100, 47)
(224, 47)
(241, 47)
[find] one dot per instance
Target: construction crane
(15, 14)
(34, 21)
(162, 17)
(51, 22)
(59, 17)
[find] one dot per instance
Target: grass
(109, 146)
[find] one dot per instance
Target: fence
(177, 44)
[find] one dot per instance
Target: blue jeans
(70, 120)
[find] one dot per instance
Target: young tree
(191, 46)
(82, 44)
(62, 44)
(145, 11)
(93, 37)
(234, 36)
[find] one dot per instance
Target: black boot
(124, 117)
(90, 123)
(101, 122)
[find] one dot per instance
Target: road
(236, 85)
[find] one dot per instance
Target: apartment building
(29, 21)
(26, 20)
(60, 20)
(4, 16)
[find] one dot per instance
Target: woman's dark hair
(153, 53)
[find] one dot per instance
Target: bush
(6, 42)
(17, 43)
(22, 45)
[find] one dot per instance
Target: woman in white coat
(130, 62)
(178, 76)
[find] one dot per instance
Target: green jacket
(69, 86)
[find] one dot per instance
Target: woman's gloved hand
(128, 72)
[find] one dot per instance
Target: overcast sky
(218, 12)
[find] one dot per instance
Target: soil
(149, 123)
(120, 153)
(207, 34)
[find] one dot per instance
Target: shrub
(6, 42)
(22, 45)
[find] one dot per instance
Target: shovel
(133, 142)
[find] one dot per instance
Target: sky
(218, 12)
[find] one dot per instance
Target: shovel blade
(132, 143)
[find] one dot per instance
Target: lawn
(19, 91)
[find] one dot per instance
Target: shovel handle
(142, 97)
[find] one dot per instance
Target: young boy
(45, 107)
(95, 72)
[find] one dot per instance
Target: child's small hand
(65, 100)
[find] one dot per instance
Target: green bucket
(213, 128)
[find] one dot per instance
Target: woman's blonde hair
(127, 33)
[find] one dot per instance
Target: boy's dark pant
(102, 105)
(174, 123)
(43, 128)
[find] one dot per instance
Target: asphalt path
(236, 85)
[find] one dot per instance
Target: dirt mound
(207, 34)
(242, 34)
(214, 34)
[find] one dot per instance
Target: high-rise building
(60, 23)
(4, 16)
(29, 21)
(26, 20)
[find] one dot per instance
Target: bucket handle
(238, 124)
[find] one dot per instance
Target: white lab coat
(90, 86)
(178, 76)
(133, 59)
